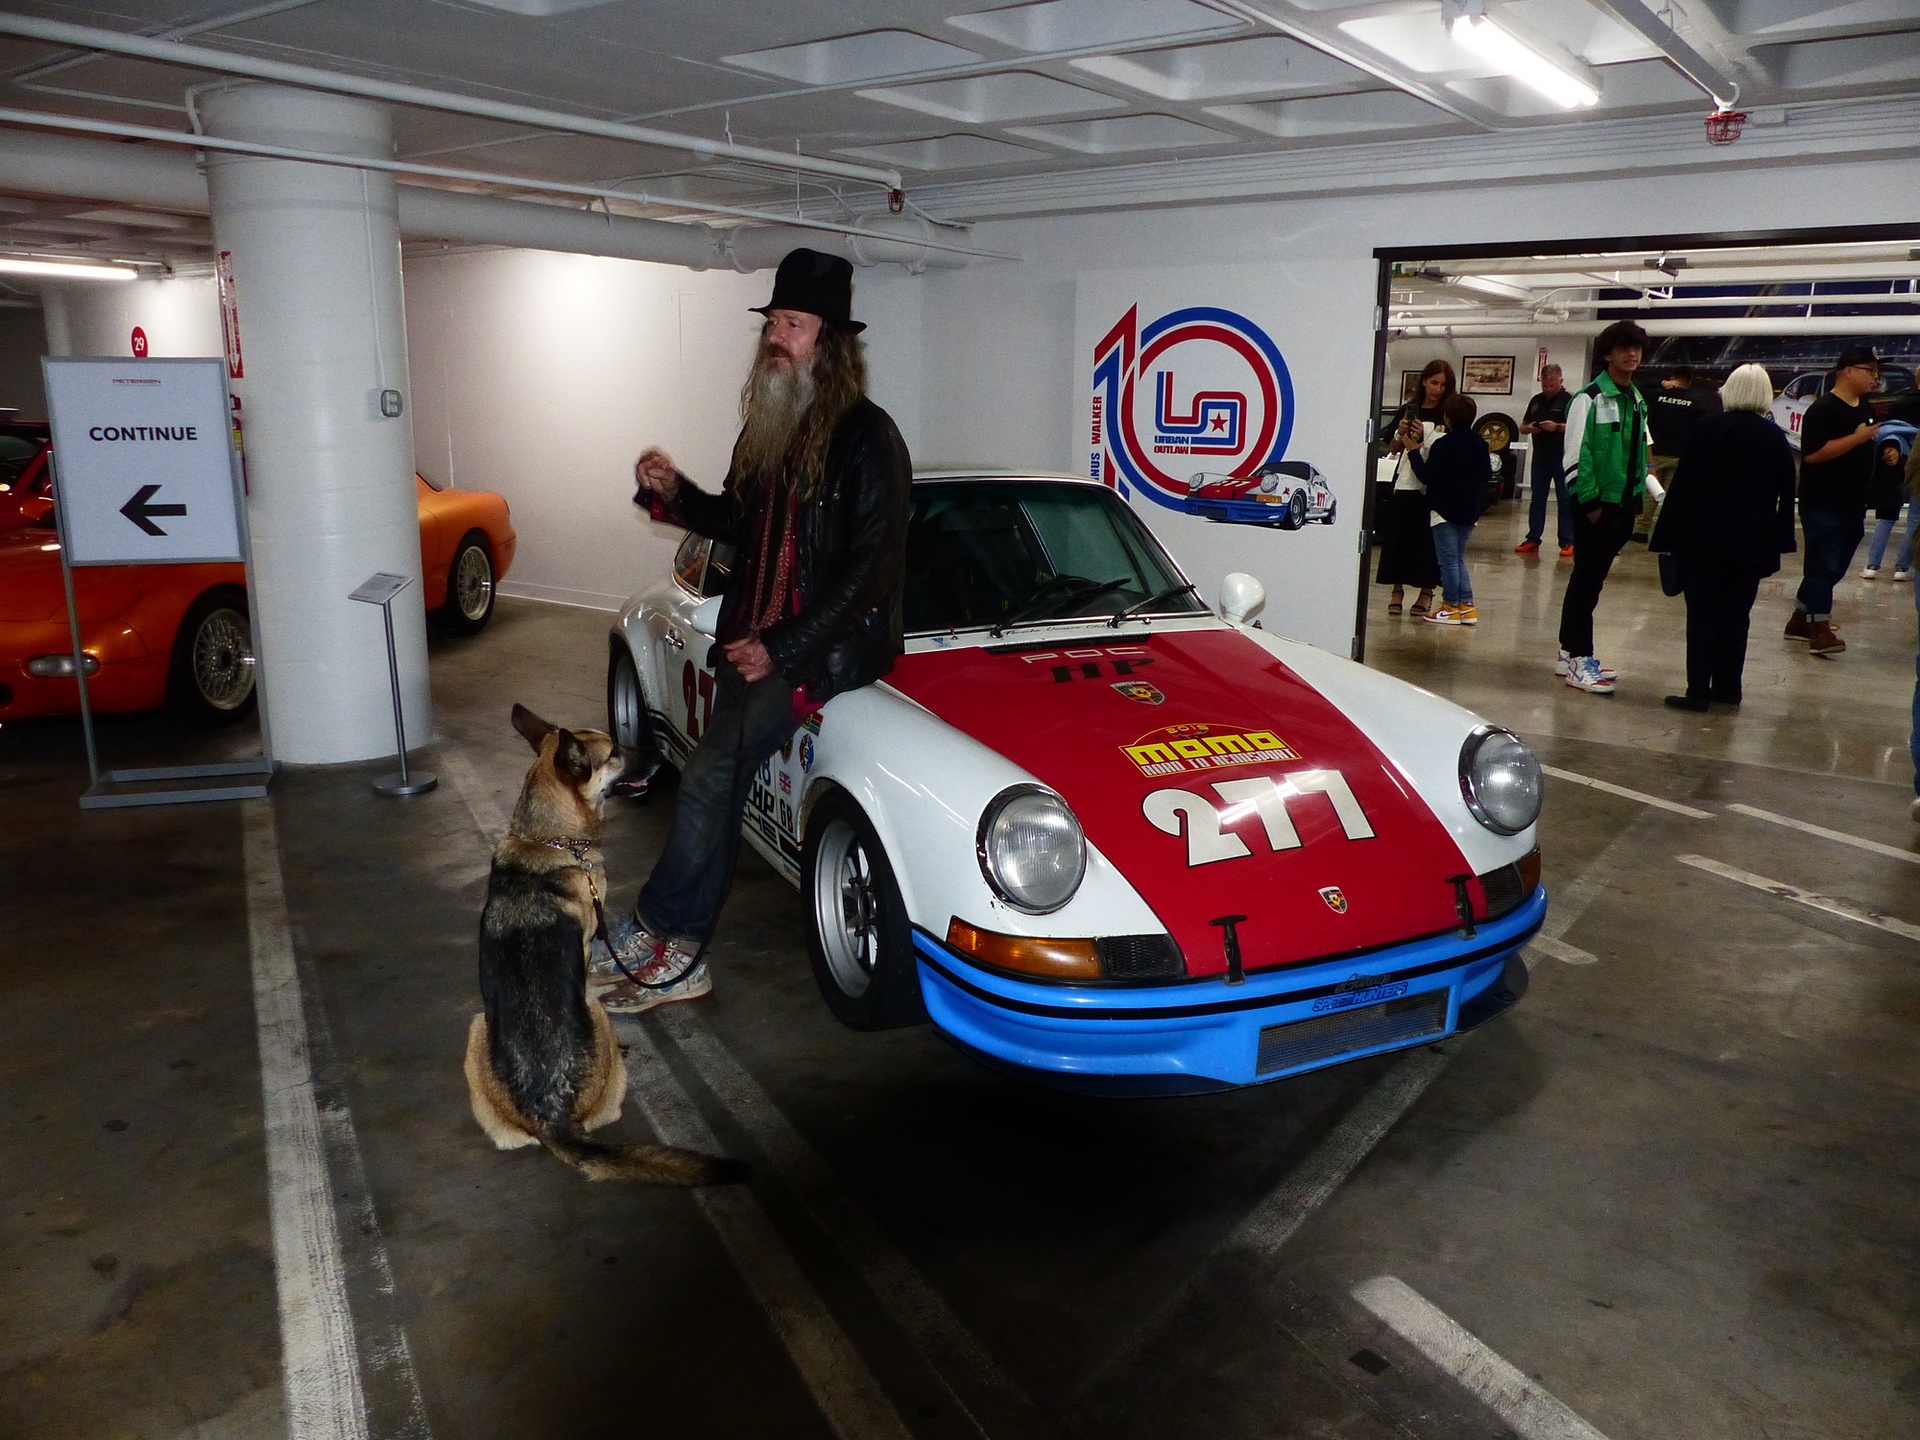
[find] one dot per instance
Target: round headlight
(1269, 484)
(1031, 849)
(1500, 780)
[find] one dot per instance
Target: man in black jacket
(815, 504)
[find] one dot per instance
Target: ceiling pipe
(1724, 93)
(224, 62)
(1658, 329)
(168, 179)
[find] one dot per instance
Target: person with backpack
(1607, 447)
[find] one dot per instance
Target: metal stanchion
(380, 590)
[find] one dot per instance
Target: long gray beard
(776, 402)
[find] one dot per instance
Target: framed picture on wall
(1486, 374)
(1409, 386)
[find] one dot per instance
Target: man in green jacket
(1606, 457)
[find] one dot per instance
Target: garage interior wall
(1569, 352)
(23, 340)
(542, 376)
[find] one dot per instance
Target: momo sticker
(1181, 749)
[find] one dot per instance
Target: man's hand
(1864, 434)
(1593, 515)
(750, 658)
(655, 471)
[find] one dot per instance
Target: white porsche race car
(1101, 836)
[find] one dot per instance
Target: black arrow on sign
(138, 510)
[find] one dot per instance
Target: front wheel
(1296, 515)
(858, 936)
(628, 719)
(210, 677)
(470, 586)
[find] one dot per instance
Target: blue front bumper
(1236, 512)
(1209, 1035)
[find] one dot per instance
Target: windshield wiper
(1039, 609)
(1184, 588)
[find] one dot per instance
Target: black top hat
(816, 284)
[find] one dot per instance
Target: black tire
(210, 676)
(1332, 506)
(629, 720)
(1296, 515)
(858, 937)
(469, 586)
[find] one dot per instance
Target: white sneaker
(1565, 664)
(1872, 572)
(1901, 576)
(1584, 673)
(656, 972)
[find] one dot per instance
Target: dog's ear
(531, 726)
(570, 757)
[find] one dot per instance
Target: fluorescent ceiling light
(57, 270)
(1498, 47)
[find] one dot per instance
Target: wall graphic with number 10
(1199, 390)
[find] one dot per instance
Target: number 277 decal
(1266, 797)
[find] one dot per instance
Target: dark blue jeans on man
(1832, 538)
(1549, 475)
(689, 882)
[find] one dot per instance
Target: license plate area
(1303, 1042)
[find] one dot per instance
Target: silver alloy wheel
(629, 714)
(846, 908)
(223, 659)
(473, 583)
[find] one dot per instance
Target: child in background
(1886, 493)
(1456, 470)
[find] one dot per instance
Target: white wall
(181, 316)
(1569, 352)
(1004, 381)
(541, 376)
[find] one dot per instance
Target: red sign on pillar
(139, 343)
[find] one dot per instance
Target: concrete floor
(1674, 1187)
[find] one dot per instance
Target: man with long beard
(815, 503)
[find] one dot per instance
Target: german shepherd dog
(542, 1064)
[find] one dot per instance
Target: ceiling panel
(1263, 65)
(1084, 24)
(995, 99)
(1125, 133)
(876, 55)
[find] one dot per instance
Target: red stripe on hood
(1131, 732)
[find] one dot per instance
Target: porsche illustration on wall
(1282, 493)
(1103, 837)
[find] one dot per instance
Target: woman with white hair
(1727, 520)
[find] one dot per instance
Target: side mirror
(1241, 597)
(706, 615)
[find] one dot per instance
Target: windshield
(991, 552)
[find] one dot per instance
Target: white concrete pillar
(54, 314)
(316, 268)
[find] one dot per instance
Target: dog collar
(576, 848)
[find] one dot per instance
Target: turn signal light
(1044, 956)
(52, 667)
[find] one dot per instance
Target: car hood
(31, 588)
(1135, 734)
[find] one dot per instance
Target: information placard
(145, 461)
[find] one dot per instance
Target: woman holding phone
(1407, 555)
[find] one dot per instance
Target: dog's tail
(642, 1164)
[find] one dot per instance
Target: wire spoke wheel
(222, 659)
(847, 909)
(473, 584)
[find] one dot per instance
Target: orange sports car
(179, 635)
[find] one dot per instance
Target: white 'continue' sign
(143, 458)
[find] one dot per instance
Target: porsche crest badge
(1140, 690)
(1335, 897)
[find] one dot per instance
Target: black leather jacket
(850, 545)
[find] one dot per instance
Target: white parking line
(319, 1364)
(1892, 852)
(1624, 793)
(1530, 1410)
(487, 815)
(1831, 904)
(951, 1350)
(1556, 949)
(846, 1392)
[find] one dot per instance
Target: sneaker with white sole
(1902, 576)
(1565, 664)
(1452, 615)
(1872, 572)
(643, 970)
(1584, 673)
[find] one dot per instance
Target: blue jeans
(1913, 742)
(689, 882)
(1883, 532)
(1450, 545)
(1832, 538)
(1549, 475)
